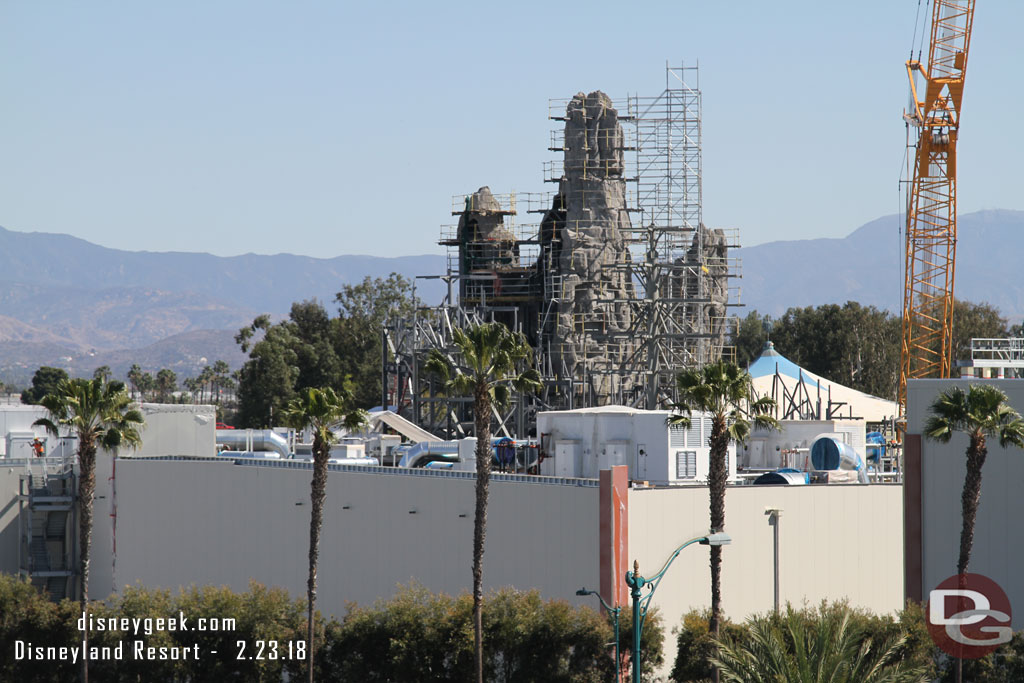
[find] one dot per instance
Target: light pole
(640, 602)
(613, 612)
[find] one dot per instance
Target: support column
(614, 534)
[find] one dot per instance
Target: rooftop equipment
(254, 440)
(828, 453)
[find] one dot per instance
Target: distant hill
(186, 353)
(266, 284)
(74, 304)
(866, 266)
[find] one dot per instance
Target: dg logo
(969, 616)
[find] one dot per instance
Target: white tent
(802, 395)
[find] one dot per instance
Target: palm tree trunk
(318, 493)
(717, 476)
(971, 497)
(86, 494)
(482, 415)
(969, 501)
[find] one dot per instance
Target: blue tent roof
(771, 360)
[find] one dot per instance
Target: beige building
(185, 518)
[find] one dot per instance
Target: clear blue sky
(328, 128)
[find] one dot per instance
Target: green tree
(749, 337)
(320, 409)
(221, 378)
(725, 391)
(853, 345)
(311, 349)
(192, 385)
(267, 379)
(695, 646)
(102, 372)
(101, 415)
(975, 321)
(134, 377)
(364, 309)
(427, 637)
(44, 381)
(810, 647)
(166, 384)
(490, 358)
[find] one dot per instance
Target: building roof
(772, 373)
(614, 409)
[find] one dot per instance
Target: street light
(640, 602)
(613, 612)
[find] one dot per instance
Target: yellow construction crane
(936, 95)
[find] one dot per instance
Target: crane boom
(931, 203)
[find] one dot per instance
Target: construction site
(616, 284)
(612, 276)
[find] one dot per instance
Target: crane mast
(936, 96)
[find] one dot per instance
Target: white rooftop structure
(800, 394)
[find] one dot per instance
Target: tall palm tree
(813, 648)
(221, 373)
(320, 409)
(487, 367)
(724, 390)
(980, 412)
(166, 384)
(101, 415)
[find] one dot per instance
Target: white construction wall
(173, 429)
(835, 542)
(203, 522)
(998, 552)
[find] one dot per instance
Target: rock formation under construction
(584, 244)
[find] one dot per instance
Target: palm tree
(135, 378)
(104, 372)
(166, 384)
(724, 390)
(320, 409)
(221, 373)
(101, 415)
(980, 412)
(809, 648)
(488, 370)
(206, 376)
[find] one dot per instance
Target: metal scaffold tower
(617, 288)
(684, 269)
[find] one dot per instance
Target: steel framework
(655, 304)
(931, 202)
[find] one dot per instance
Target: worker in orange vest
(37, 446)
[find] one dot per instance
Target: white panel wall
(19, 418)
(10, 474)
(998, 550)
(178, 430)
(184, 522)
(835, 542)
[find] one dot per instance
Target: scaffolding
(617, 288)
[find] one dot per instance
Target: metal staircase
(46, 518)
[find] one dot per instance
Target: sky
(330, 128)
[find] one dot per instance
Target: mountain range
(74, 304)
(867, 266)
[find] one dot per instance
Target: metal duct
(254, 440)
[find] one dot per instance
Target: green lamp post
(640, 601)
(613, 612)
